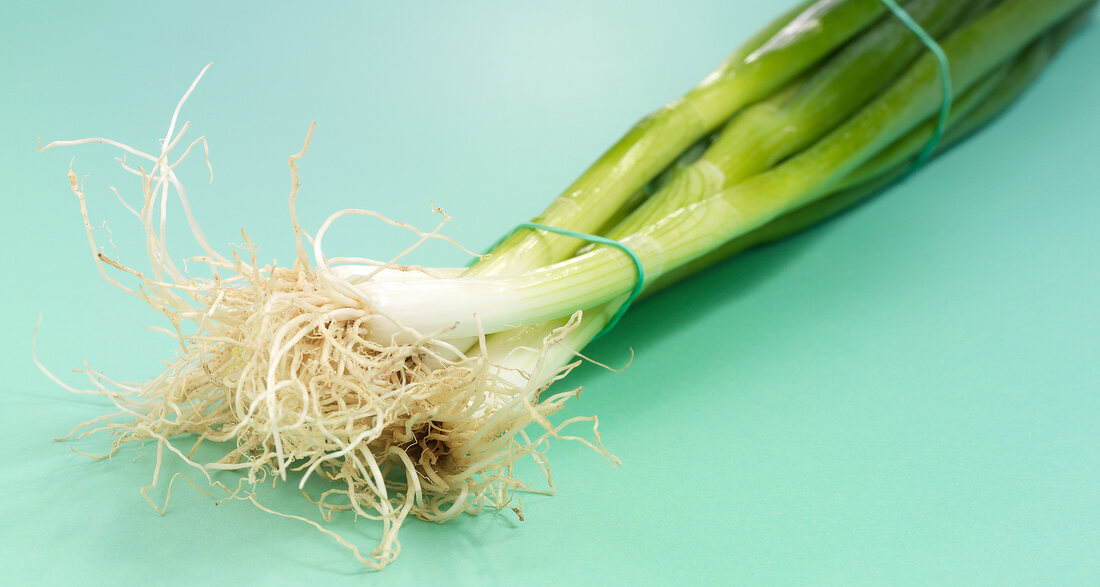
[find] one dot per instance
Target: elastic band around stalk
(945, 77)
(639, 281)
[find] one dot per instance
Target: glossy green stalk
(493, 304)
(786, 122)
(973, 51)
(975, 108)
(1016, 80)
(603, 274)
(889, 163)
(766, 63)
(972, 110)
(768, 132)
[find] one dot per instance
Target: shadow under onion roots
(277, 361)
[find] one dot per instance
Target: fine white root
(278, 364)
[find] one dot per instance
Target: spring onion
(413, 389)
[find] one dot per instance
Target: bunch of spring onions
(413, 390)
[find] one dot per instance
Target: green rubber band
(945, 77)
(639, 281)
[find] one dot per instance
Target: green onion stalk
(413, 390)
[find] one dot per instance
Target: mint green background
(908, 394)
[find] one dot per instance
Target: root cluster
(277, 364)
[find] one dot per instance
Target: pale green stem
(766, 63)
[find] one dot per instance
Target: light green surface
(908, 394)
